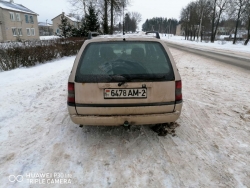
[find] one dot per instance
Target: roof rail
(156, 32)
(93, 34)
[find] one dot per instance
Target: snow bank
(222, 45)
(48, 37)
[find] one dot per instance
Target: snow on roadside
(217, 45)
(49, 37)
(211, 149)
(23, 85)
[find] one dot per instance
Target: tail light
(71, 92)
(178, 92)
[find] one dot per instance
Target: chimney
(11, 1)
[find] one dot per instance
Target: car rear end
(116, 81)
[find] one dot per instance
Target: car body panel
(132, 119)
(154, 96)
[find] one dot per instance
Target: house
(57, 21)
(241, 35)
(45, 29)
(223, 31)
(17, 22)
(179, 30)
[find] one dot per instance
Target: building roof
(15, 7)
(72, 18)
(69, 17)
(44, 24)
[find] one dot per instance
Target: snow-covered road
(211, 149)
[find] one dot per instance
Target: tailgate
(128, 99)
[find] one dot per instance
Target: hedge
(25, 54)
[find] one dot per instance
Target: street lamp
(170, 26)
(46, 26)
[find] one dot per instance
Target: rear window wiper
(122, 79)
(127, 78)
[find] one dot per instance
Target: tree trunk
(112, 16)
(217, 24)
(201, 35)
(84, 7)
(186, 32)
(237, 23)
(105, 21)
(212, 32)
(248, 34)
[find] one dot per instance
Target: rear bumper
(119, 120)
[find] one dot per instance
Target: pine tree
(65, 27)
(76, 32)
(91, 23)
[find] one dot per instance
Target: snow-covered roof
(44, 24)
(72, 18)
(69, 17)
(15, 7)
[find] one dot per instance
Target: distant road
(236, 60)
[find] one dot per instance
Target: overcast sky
(48, 9)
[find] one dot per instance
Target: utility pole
(46, 26)
(170, 26)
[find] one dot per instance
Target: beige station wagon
(124, 80)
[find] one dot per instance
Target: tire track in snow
(210, 149)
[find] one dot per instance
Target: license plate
(125, 93)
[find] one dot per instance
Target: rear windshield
(124, 61)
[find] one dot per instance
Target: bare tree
(238, 8)
(105, 18)
(193, 17)
(247, 20)
(221, 5)
(214, 3)
(115, 6)
(79, 5)
(137, 17)
(106, 9)
(185, 20)
(202, 6)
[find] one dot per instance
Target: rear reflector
(178, 92)
(71, 92)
